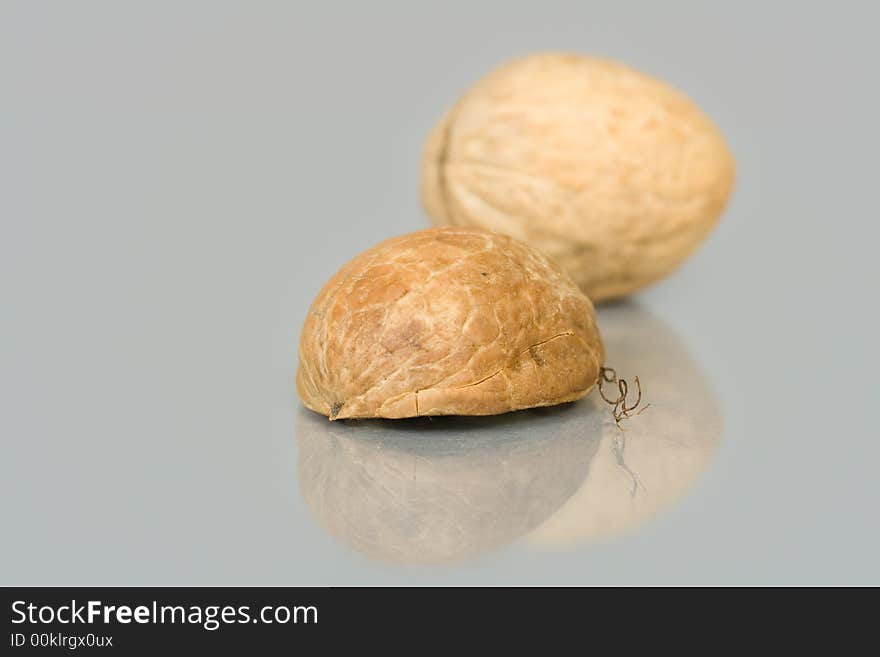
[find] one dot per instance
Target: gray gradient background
(178, 179)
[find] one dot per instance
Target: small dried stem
(620, 409)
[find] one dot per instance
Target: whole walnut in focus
(613, 174)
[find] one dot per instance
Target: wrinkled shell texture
(447, 321)
(613, 174)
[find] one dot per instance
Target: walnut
(613, 174)
(447, 321)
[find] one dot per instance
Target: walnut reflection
(660, 454)
(442, 490)
(427, 491)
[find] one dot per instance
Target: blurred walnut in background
(613, 174)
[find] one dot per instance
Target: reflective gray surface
(177, 181)
(436, 490)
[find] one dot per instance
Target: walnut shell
(613, 174)
(447, 321)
